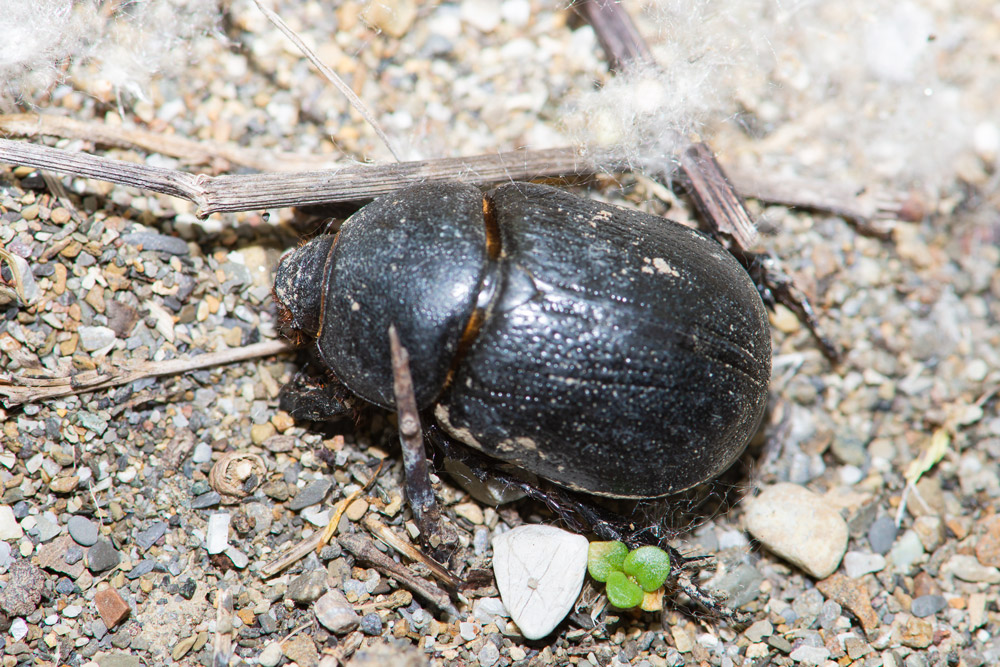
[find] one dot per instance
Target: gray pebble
(102, 556)
(23, 591)
(206, 500)
(83, 531)
(307, 587)
(811, 655)
(336, 614)
(98, 629)
(144, 567)
(73, 555)
(808, 604)
(741, 585)
(202, 453)
(159, 242)
(95, 338)
(829, 614)
(147, 538)
(239, 559)
(355, 587)
(489, 654)
(46, 529)
(906, 551)
(927, 605)
(858, 563)
(270, 656)
(882, 534)
(310, 495)
(331, 551)
(5, 556)
(371, 624)
(268, 623)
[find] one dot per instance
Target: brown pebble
(356, 510)
(853, 596)
(988, 544)
(58, 278)
(282, 421)
(246, 615)
(95, 297)
(112, 608)
(71, 250)
(64, 484)
(59, 215)
(30, 212)
(917, 633)
(301, 649)
(182, 647)
(68, 347)
(261, 432)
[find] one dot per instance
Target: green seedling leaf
(649, 566)
(622, 591)
(603, 558)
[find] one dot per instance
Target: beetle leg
(317, 398)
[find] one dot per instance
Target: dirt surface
(108, 515)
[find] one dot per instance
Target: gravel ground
(116, 548)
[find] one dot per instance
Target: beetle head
(299, 286)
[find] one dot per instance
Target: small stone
(988, 545)
(23, 591)
(471, 512)
(307, 587)
(759, 631)
(310, 495)
(206, 500)
(18, 629)
(102, 556)
(927, 605)
(62, 555)
(95, 338)
(148, 537)
(930, 530)
(46, 527)
(111, 607)
(906, 551)
(356, 510)
(539, 572)
(83, 531)
(239, 559)
(371, 624)
(64, 483)
(301, 649)
(261, 432)
(917, 633)
(394, 17)
(856, 647)
(182, 647)
(489, 654)
(810, 655)
(852, 595)
(217, 535)
(144, 567)
(800, 526)
(120, 660)
(858, 563)
(968, 568)
(270, 656)
(10, 529)
(202, 453)
(467, 630)
(489, 610)
(335, 613)
(881, 534)
(159, 242)
(483, 15)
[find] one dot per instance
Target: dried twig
(221, 156)
(23, 388)
(365, 549)
(294, 554)
(419, 491)
(331, 528)
(251, 192)
(386, 535)
(329, 74)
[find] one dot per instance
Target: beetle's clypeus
(610, 351)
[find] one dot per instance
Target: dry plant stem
(296, 553)
(386, 535)
(221, 157)
(222, 645)
(331, 527)
(418, 481)
(619, 38)
(715, 197)
(329, 74)
(254, 192)
(15, 390)
(365, 549)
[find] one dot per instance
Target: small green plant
(631, 578)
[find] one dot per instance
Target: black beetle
(610, 351)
